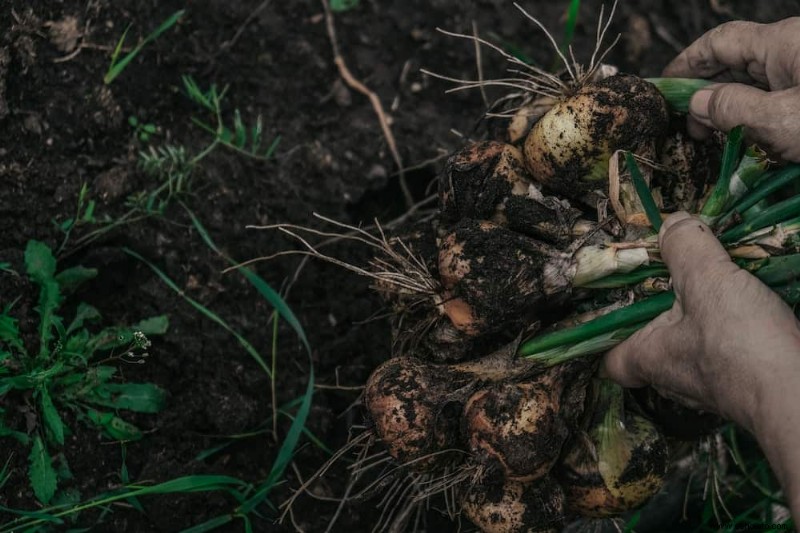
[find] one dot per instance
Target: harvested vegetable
(569, 148)
(521, 427)
(617, 464)
(515, 506)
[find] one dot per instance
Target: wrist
(774, 419)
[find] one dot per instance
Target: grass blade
(643, 191)
(203, 310)
(117, 67)
(569, 26)
(272, 296)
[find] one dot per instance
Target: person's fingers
(652, 355)
(690, 250)
(770, 118)
(730, 46)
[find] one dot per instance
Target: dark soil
(61, 127)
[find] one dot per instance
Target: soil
(61, 127)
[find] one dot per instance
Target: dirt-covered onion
(569, 147)
(416, 406)
(499, 279)
(617, 464)
(488, 181)
(515, 506)
(407, 401)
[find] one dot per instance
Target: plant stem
(678, 91)
(780, 212)
(768, 184)
(721, 193)
(636, 313)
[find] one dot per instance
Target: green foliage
(142, 130)
(337, 6)
(65, 372)
(247, 140)
(118, 65)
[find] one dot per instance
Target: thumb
(651, 354)
(770, 118)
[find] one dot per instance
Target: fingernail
(698, 105)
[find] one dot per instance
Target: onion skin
(514, 506)
(518, 426)
(568, 149)
(496, 276)
(589, 494)
(407, 401)
(478, 179)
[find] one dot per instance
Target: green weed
(239, 137)
(119, 64)
(68, 371)
(143, 130)
(338, 6)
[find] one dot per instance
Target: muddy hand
(758, 67)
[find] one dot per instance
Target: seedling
(142, 130)
(118, 65)
(69, 370)
(247, 141)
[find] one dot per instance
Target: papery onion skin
(568, 150)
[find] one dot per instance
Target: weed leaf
(155, 325)
(51, 419)
(337, 6)
(9, 332)
(114, 426)
(41, 472)
(139, 397)
(85, 313)
(39, 262)
(41, 267)
(72, 278)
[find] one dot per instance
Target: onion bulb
(407, 401)
(569, 148)
(617, 464)
(515, 506)
(518, 426)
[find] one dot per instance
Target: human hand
(758, 66)
(727, 343)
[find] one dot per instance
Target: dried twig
(357, 85)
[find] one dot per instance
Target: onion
(496, 279)
(617, 464)
(416, 406)
(569, 148)
(407, 399)
(515, 506)
(488, 181)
